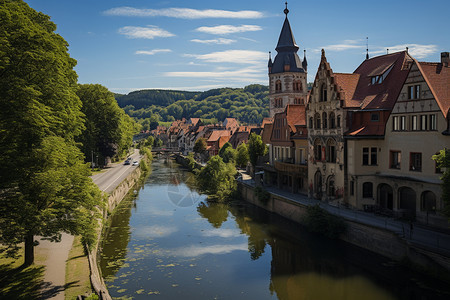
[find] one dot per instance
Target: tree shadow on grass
(20, 283)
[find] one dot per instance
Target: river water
(169, 242)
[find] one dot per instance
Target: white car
(135, 163)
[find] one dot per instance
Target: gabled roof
(267, 132)
(437, 76)
(295, 115)
(216, 134)
(347, 83)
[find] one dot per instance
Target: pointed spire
(270, 64)
(286, 41)
(305, 62)
(367, 47)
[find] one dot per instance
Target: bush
(262, 195)
(320, 221)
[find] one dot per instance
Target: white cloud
(219, 41)
(342, 47)
(221, 232)
(149, 32)
(415, 50)
(153, 52)
(154, 231)
(194, 251)
(245, 75)
(233, 56)
(184, 13)
(227, 29)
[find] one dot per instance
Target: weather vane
(286, 10)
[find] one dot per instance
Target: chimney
(445, 58)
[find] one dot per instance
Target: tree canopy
(256, 148)
(443, 161)
(217, 178)
(44, 184)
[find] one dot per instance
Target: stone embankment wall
(113, 201)
(375, 239)
(184, 161)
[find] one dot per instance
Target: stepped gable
(437, 77)
(394, 69)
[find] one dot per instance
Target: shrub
(320, 221)
(262, 195)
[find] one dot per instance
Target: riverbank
(391, 238)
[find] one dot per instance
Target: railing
(302, 170)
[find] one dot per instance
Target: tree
(109, 131)
(227, 153)
(217, 178)
(200, 145)
(443, 161)
(157, 143)
(44, 185)
(242, 156)
(256, 148)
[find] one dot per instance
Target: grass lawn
(21, 283)
(77, 271)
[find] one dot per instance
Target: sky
(198, 45)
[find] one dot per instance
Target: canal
(170, 242)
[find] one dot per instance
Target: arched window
(278, 86)
(331, 151)
(331, 191)
(311, 122)
(324, 120)
(332, 121)
(367, 190)
(297, 86)
(318, 150)
(317, 119)
(338, 123)
(428, 202)
(323, 93)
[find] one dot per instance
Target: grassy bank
(77, 271)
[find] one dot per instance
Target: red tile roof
(216, 134)
(295, 115)
(437, 77)
(347, 83)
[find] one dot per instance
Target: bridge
(165, 149)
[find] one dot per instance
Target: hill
(248, 105)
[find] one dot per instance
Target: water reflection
(210, 250)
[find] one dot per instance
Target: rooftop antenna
(367, 47)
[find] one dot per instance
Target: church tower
(287, 72)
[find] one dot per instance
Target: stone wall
(378, 240)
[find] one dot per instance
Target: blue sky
(199, 45)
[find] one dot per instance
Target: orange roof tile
(216, 134)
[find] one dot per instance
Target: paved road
(420, 236)
(57, 253)
(108, 180)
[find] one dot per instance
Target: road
(57, 253)
(108, 180)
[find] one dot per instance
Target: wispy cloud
(149, 32)
(241, 75)
(221, 232)
(153, 52)
(219, 41)
(227, 29)
(154, 231)
(194, 251)
(232, 56)
(416, 50)
(184, 13)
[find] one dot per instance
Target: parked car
(135, 163)
(127, 162)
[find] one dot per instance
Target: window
(352, 187)
(395, 159)
(323, 93)
(414, 125)
(298, 101)
(311, 122)
(402, 125)
(317, 150)
(278, 102)
(423, 122)
(331, 151)
(380, 78)
(332, 121)
(375, 117)
(278, 86)
(414, 91)
(395, 124)
(338, 122)
(432, 119)
(415, 162)
(367, 190)
(317, 117)
(370, 156)
(297, 85)
(365, 156)
(324, 120)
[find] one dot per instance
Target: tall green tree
(227, 153)
(443, 161)
(44, 185)
(200, 145)
(256, 148)
(109, 131)
(217, 178)
(242, 157)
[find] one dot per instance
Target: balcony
(301, 170)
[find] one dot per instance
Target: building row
(363, 139)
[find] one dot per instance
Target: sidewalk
(420, 236)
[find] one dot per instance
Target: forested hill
(248, 105)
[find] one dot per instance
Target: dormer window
(375, 117)
(377, 79)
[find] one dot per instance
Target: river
(170, 242)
